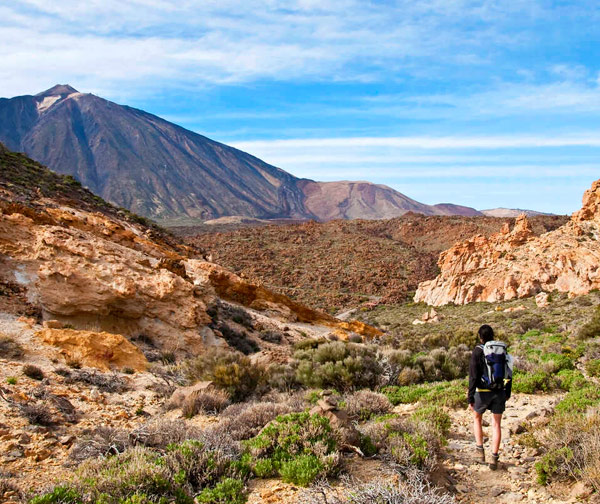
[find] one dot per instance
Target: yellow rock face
(101, 350)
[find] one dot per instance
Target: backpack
(498, 365)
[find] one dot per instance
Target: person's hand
(471, 407)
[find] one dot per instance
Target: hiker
(490, 383)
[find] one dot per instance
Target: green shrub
(407, 443)
(227, 491)
(215, 473)
(550, 463)
(367, 446)
(136, 471)
(405, 395)
(195, 467)
(570, 379)
(530, 383)
(59, 495)
(338, 364)
(418, 447)
(301, 470)
(227, 369)
(592, 328)
(572, 448)
(451, 394)
(12, 380)
(593, 367)
(435, 417)
(298, 447)
(558, 362)
(579, 400)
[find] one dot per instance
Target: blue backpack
(498, 365)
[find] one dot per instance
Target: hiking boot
(494, 462)
(480, 454)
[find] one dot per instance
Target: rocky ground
(115, 339)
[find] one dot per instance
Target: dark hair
(486, 333)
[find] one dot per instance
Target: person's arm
(508, 389)
(473, 375)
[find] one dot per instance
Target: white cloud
(591, 139)
(116, 42)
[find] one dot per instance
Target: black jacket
(476, 373)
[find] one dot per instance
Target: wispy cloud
(110, 43)
(424, 142)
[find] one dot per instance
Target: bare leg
(496, 431)
(477, 428)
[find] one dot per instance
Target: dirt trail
(515, 479)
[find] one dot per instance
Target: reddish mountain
(157, 169)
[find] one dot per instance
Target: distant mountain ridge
(511, 212)
(160, 170)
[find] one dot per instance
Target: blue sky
(484, 103)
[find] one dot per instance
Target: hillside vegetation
(342, 264)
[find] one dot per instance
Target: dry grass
(413, 489)
(158, 433)
(10, 349)
(209, 402)
(107, 382)
(244, 421)
(33, 372)
(37, 414)
(365, 404)
(101, 442)
(573, 450)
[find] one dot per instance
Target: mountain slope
(157, 169)
(510, 212)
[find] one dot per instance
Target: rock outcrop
(515, 263)
(95, 271)
(104, 351)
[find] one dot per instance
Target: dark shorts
(493, 401)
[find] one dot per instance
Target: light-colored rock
(542, 300)
(514, 309)
(100, 350)
(515, 264)
(92, 272)
(580, 490)
(52, 324)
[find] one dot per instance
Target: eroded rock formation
(515, 263)
(84, 265)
